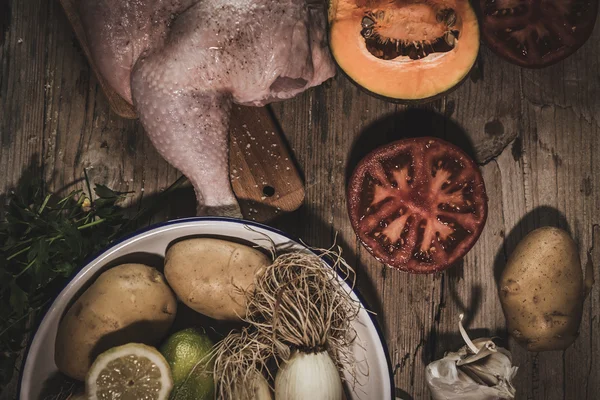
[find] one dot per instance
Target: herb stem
(43, 206)
(85, 218)
(19, 252)
(53, 238)
(25, 270)
(89, 188)
(23, 317)
(90, 224)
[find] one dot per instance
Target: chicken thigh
(182, 63)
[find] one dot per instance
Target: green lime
(129, 372)
(185, 351)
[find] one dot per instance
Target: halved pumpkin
(404, 49)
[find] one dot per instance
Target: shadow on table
(454, 275)
(537, 218)
(302, 220)
(60, 387)
(438, 343)
(295, 225)
(410, 123)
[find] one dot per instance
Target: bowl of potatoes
(143, 287)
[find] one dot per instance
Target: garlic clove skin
(478, 371)
(448, 382)
(308, 377)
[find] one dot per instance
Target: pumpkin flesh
(404, 49)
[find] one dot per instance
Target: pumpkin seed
(450, 18)
(367, 22)
(447, 16)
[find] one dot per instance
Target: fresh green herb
(44, 239)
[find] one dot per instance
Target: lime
(188, 354)
(129, 372)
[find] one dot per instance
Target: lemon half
(129, 372)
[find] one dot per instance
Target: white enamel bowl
(153, 242)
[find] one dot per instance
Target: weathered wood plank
(23, 63)
(487, 106)
(53, 116)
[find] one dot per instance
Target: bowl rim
(177, 221)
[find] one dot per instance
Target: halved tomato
(418, 205)
(537, 33)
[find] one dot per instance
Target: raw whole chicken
(183, 62)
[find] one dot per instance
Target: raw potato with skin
(542, 291)
(210, 275)
(127, 303)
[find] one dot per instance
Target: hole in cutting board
(268, 191)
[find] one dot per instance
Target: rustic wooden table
(535, 133)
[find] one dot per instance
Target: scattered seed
(450, 18)
(367, 22)
(441, 15)
(447, 16)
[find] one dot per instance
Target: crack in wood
(590, 269)
(401, 364)
(589, 119)
(422, 343)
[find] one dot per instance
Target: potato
(542, 291)
(207, 275)
(127, 303)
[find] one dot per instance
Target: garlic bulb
(478, 371)
(308, 376)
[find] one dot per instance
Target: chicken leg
(182, 63)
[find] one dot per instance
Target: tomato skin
(417, 205)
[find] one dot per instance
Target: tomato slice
(418, 205)
(536, 33)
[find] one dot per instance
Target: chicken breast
(182, 63)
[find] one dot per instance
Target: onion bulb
(257, 388)
(311, 376)
(299, 316)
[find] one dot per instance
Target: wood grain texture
(263, 174)
(54, 118)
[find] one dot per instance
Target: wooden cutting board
(263, 174)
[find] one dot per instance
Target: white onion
(256, 389)
(308, 377)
